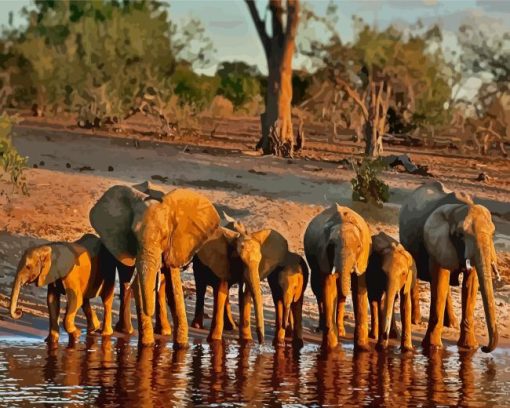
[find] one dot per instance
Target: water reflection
(115, 372)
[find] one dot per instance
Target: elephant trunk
(484, 271)
(253, 281)
(389, 301)
(16, 287)
(148, 267)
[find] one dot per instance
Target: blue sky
(228, 23)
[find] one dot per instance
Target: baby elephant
(288, 283)
(390, 270)
(71, 269)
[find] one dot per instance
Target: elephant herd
(148, 237)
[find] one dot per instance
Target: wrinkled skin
(391, 270)
(246, 259)
(288, 284)
(79, 270)
(337, 246)
(447, 234)
(150, 233)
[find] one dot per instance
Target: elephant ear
(150, 189)
(215, 252)
(113, 216)
(437, 237)
(192, 220)
(382, 242)
(273, 248)
(366, 246)
(56, 261)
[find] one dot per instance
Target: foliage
(239, 82)
(367, 187)
(193, 89)
(12, 164)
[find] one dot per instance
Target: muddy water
(115, 372)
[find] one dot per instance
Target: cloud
(494, 5)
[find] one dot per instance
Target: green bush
(12, 164)
(367, 187)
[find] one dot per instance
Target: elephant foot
(467, 341)
(245, 336)
(213, 337)
(146, 340)
(416, 318)
(93, 331)
(74, 337)
(381, 345)
(278, 342)
(373, 335)
(405, 348)
(180, 345)
(163, 331)
(107, 331)
(52, 338)
(199, 324)
(361, 347)
(341, 332)
(394, 333)
(431, 343)
(125, 329)
(230, 326)
(297, 342)
(329, 341)
(451, 323)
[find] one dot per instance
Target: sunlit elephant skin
(74, 269)
(337, 246)
(151, 232)
(246, 259)
(448, 234)
(390, 271)
(288, 284)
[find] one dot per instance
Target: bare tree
(276, 122)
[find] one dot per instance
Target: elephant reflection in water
(251, 377)
(286, 376)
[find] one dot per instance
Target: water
(116, 373)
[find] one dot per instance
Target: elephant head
(348, 245)
(43, 265)
(260, 252)
(140, 231)
(459, 236)
(398, 267)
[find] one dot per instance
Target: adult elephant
(144, 232)
(447, 234)
(337, 246)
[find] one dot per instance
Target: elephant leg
(450, 320)
(360, 297)
(320, 306)
(124, 325)
(220, 298)
(374, 315)
(405, 316)
(230, 323)
(415, 300)
(74, 302)
(438, 294)
(178, 308)
(467, 329)
(53, 302)
(162, 324)
(198, 320)
(394, 332)
(245, 308)
(92, 321)
(329, 293)
(145, 330)
(297, 332)
(107, 298)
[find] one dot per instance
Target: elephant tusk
(496, 271)
(132, 279)
(356, 270)
(468, 265)
(158, 281)
(333, 270)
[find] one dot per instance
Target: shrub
(221, 107)
(367, 187)
(11, 162)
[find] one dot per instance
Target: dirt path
(74, 170)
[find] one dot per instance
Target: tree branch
(259, 25)
(354, 95)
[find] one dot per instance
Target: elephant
(337, 244)
(391, 270)
(288, 284)
(246, 259)
(75, 269)
(148, 233)
(447, 234)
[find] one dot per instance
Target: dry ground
(73, 171)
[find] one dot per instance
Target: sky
(228, 23)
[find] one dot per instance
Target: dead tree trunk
(375, 126)
(276, 122)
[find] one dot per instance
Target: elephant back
(415, 211)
